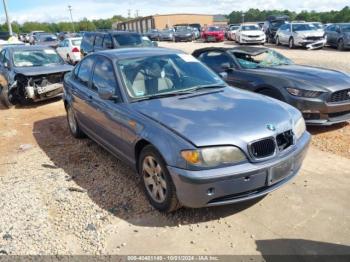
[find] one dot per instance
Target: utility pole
(129, 13)
(243, 14)
(71, 16)
(7, 18)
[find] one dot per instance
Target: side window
(84, 72)
(331, 28)
(87, 43)
(6, 57)
(215, 60)
(107, 42)
(98, 41)
(103, 75)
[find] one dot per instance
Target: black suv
(96, 41)
(271, 26)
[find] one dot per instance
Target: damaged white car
(30, 74)
(301, 34)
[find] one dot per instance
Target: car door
(109, 115)
(81, 92)
(4, 67)
(331, 35)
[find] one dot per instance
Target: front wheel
(278, 41)
(291, 43)
(340, 45)
(158, 185)
(73, 124)
(5, 97)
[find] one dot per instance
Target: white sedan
(250, 34)
(69, 49)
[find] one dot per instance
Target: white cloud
(94, 9)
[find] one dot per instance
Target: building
(220, 20)
(143, 24)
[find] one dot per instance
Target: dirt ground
(60, 195)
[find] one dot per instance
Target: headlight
(303, 93)
(213, 156)
(299, 127)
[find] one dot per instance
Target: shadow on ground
(315, 130)
(30, 105)
(302, 250)
(112, 185)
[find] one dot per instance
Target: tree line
(255, 15)
(82, 25)
(252, 15)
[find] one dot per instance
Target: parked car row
(219, 126)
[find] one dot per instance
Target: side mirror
(107, 94)
(226, 67)
(155, 44)
(223, 75)
(6, 65)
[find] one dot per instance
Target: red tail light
(75, 50)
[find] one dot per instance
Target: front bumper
(183, 38)
(250, 40)
(318, 112)
(236, 183)
(311, 44)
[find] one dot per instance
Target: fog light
(211, 191)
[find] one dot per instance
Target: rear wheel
(70, 61)
(73, 124)
(291, 43)
(340, 45)
(5, 97)
(158, 185)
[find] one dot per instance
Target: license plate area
(211, 38)
(281, 171)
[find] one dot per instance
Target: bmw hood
(43, 70)
(311, 77)
(222, 117)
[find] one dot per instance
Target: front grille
(253, 36)
(263, 148)
(314, 38)
(340, 96)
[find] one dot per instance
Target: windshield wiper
(201, 87)
(163, 95)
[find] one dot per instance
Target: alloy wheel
(71, 120)
(153, 177)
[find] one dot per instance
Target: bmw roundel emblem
(271, 127)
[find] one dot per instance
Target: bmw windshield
(268, 58)
(165, 75)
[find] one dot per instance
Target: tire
(4, 97)
(158, 185)
(291, 43)
(278, 41)
(70, 61)
(73, 124)
(340, 45)
(271, 93)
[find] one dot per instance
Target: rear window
(128, 39)
(88, 42)
(76, 42)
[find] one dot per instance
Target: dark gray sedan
(194, 141)
(338, 35)
(322, 95)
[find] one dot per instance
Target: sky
(55, 11)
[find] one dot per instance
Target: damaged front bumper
(312, 44)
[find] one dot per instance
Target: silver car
(301, 34)
(193, 140)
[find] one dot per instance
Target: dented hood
(43, 70)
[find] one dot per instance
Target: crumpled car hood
(43, 70)
(226, 116)
(255, 32)
(315, 33)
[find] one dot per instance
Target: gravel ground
(60, 195)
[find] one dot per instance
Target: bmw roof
(250, 50)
